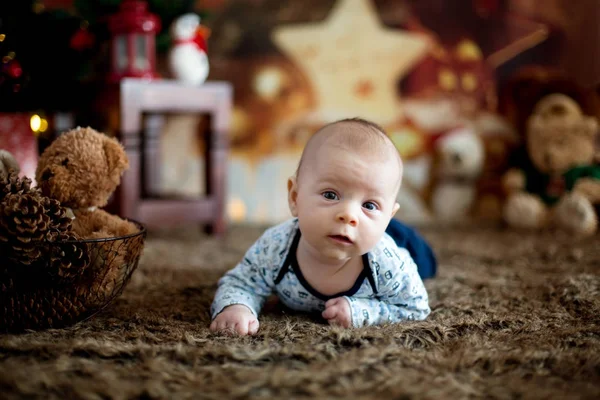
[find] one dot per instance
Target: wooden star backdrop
(352, 60)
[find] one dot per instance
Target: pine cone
(13, 184)
(23, 225)
(68, 259)
(45, 308)
(59, 221)
(6, 281)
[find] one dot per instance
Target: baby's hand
(337, 312)
(235, 319)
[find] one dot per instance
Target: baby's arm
(242, 292)
(402, 296)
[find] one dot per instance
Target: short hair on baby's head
(359, 121)
(363, 136)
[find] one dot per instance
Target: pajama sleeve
(249, 283)
(401, 296)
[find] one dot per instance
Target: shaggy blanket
(514, 316)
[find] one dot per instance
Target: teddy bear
(81, 169)
(560, 186)
(458, 160)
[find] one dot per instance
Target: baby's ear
(116, 158)
(292, 185)
(395, 209)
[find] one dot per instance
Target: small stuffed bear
(562, 184)
(458, 162)
(81, 169)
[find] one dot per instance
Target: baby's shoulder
(387, 255)
(281, 232)
(277, 239)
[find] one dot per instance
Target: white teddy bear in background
(458, 163)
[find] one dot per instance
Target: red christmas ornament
(82, 39)
(13, 69)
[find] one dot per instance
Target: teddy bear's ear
(7, 163)
(592, 130)
(115, 156)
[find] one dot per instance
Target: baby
(334, 256)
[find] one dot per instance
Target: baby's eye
(329, 195)
(369, 205)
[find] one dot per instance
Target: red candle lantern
(133, 31)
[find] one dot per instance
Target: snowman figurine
(187, 59)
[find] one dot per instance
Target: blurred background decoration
(57, 46)
(421, 69)
(54, 54)
(446, 79)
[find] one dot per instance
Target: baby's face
(344, 202)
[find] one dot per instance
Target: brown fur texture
(81, 169)
(514, 316)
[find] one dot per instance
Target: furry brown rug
(514, 316)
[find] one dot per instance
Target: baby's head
(345, 188)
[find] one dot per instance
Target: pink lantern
(133, 32)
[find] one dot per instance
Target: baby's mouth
(341, 239)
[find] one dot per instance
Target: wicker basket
(32, 298)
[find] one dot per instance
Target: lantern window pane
(141, 52)
(121, 52)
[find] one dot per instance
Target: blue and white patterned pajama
(389, 289)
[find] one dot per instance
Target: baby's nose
(347, 216)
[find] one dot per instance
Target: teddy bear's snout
(548, 159)
(47, 174)
(456, 158)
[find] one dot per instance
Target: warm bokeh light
(236, 209)
(268, 82)
(43, 125)
(35, 122)
(38, 124)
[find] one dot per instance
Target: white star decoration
(353, 61)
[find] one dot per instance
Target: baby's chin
(336, 255)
